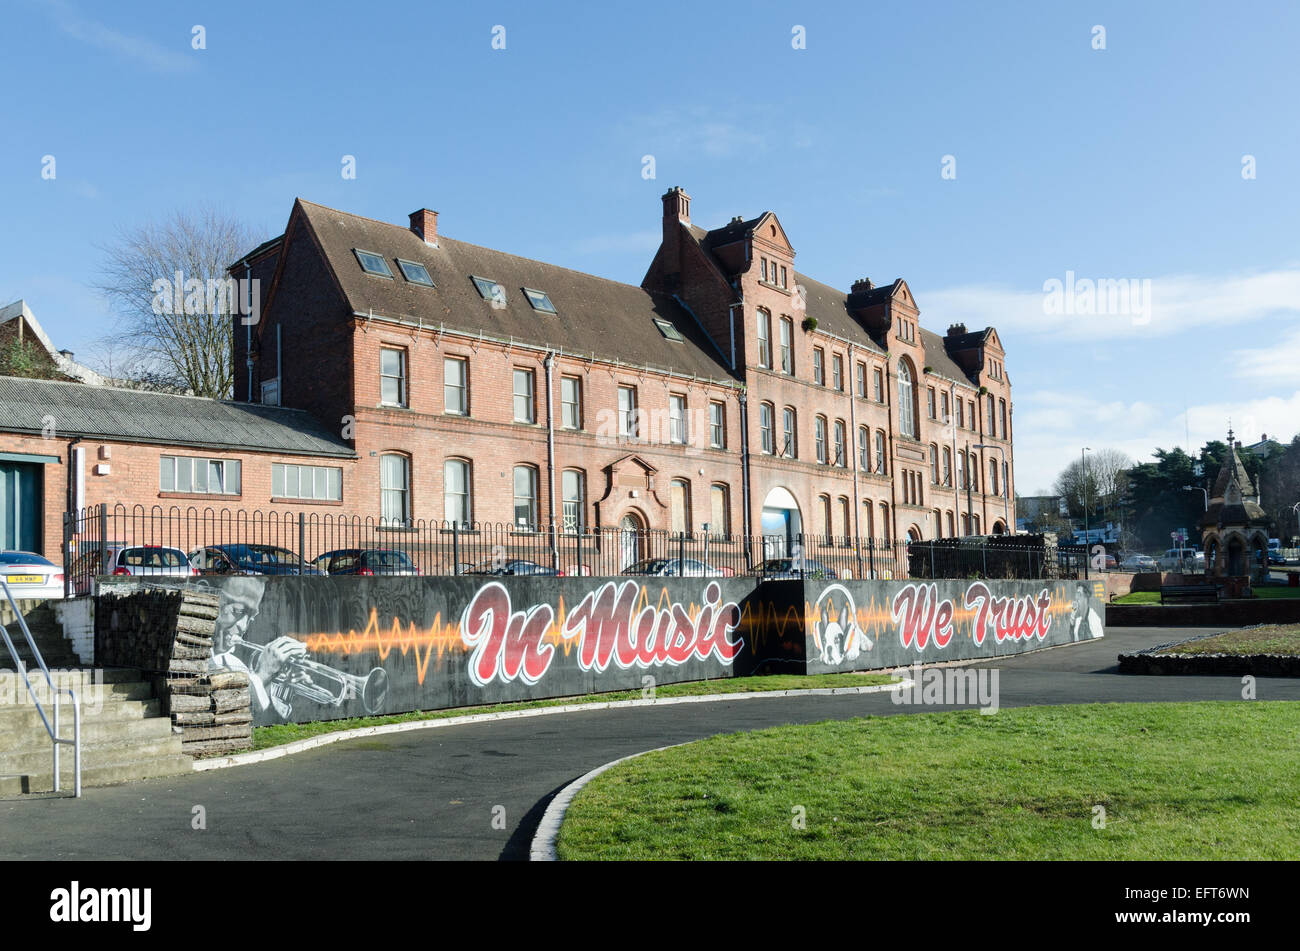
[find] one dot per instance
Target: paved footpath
(432, 794)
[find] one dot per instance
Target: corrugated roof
(139, 416)
(595, 316)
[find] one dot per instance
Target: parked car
(1180, 559)
(780, 568)
(365, 561)
(1138, 562)
(674, 568)
(512, 566)
(133, 560)
(30, 575)
(247, 560)
(1275, 557)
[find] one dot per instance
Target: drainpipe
(956, 487)
(744, 477)
(892, 528)
(549, 363)
(853, 456)
(74, 500)
(248, 332)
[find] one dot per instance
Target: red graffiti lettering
(604, 623)
(506, 645)
(923, 616)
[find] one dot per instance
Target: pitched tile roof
(595, 315)
(829, 306)
(140, 416)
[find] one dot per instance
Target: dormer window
(489, 290)
(415, 273)
(540, 301)
(668, 330)
(373, 263)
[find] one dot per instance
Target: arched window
(765, 340)
(881, 468)
(840, 458)
(525, 510)
(993, 477)
(824, 504)
(456, 492)
(869, 518)
(947, 468)
(906, 405)
(845, 530)
(573, 486)
(864, 449)
(819, 438)
(1006, 488)
(951, 526)
(680, 493)
(789, 438)
(934, 464)
(884, 522)
(719, 520)
(394, 489)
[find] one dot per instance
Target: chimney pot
(862, 284)
(956, 330)
(424, 225)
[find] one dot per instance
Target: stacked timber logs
(211, 708)
(169, 631)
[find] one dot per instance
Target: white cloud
(105, 37)
(1052, 427)
(1278, 363)
(1172, 304)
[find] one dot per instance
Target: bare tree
(167, 282)
(1103, 486)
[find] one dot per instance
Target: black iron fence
(124, 539)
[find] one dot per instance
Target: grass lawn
(1176, 780)
(264, 736)
(1266, 639)
(1153, 597)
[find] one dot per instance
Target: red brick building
(729, 389)
(401, 375)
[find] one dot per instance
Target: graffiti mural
(874, 624)
(320, 648)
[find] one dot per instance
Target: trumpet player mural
(279, 673)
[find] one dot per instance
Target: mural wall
(319, 648)
(864, 625)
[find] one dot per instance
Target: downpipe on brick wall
(549, 363)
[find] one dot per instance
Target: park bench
(1189, 593)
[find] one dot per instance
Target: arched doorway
(999, 528)
(1236, 557)
(631, 540)
(781, 525)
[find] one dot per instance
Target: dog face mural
(835, 629)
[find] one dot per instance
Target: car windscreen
(650, 567)
(387, 559)
(23, 558)
(153, 558)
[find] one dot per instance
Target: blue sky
(1121, 164)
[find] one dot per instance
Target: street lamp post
(1083, 458)
(1006, 518)
(1197, 488)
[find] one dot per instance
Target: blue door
(20, 507)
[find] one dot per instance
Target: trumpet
(321, 684)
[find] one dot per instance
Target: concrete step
(17, 718)
(16, 786)
(15, 694)
(28, 734)
(95, 753)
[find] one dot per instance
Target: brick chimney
(956, 330)
(424, 225)
(677, 205)
(861, 285)
(677, 212)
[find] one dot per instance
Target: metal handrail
(52, 730)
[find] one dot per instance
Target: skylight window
(373, 263)
(539, 301)
(490, 291)
(415, 273)
(668, 330)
